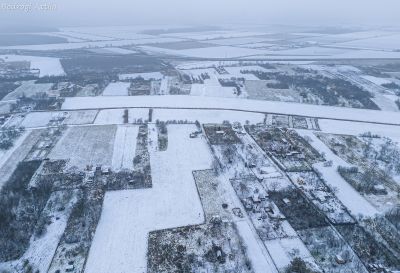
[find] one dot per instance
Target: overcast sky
(205, 12)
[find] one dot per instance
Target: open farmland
(83, 146)
(173, 194)
(177, 149)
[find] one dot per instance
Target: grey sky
(206, 12)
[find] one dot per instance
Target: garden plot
(373, 175)
(285, 147)
(369, 250)
(206, 116)
(124, 148)
(83, 146)
(355, 203)
(383, 229)
(212, 196)
(330, 251)
(80, 117)
(205, 248)
(297, 210)
(321, 196)
(22, 147)
(268, 221)
(29, 89)
(220, 134)
(117, 89)
(284, 250)
(120, 241)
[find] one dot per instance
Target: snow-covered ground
(37, 119)
(260, 259)
(280, 250)
(41, 249)
(113, 50)
(91, 45)
(376, 80)
(47, 66)
(117, 89)
(212, 90)
(207, 52)
(110, 116)
(28, 89)
(86, 145)
(357, 128)
(80, 117)
(145, 76)
(206, 116)
(356, 203)
(10, 159)
(120, 241)
(6, 154)
(233, 104)
(124, 148)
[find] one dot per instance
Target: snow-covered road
(196, 102)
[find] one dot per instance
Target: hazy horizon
(177, 12)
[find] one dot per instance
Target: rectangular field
(124, 147)
(88, 145)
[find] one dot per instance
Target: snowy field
(37, 119)
(120, 241)
(91, 45)
(206, 116)
(282, 251)
(212, 90)
(86, 145)
(28, 89)
(357, 128)
(110, 116)
(124, 148)
(207, 52)
(145, 76)
(113, 50)
(117, 89)
(47, 66)
(233, 104)
(80, 117)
